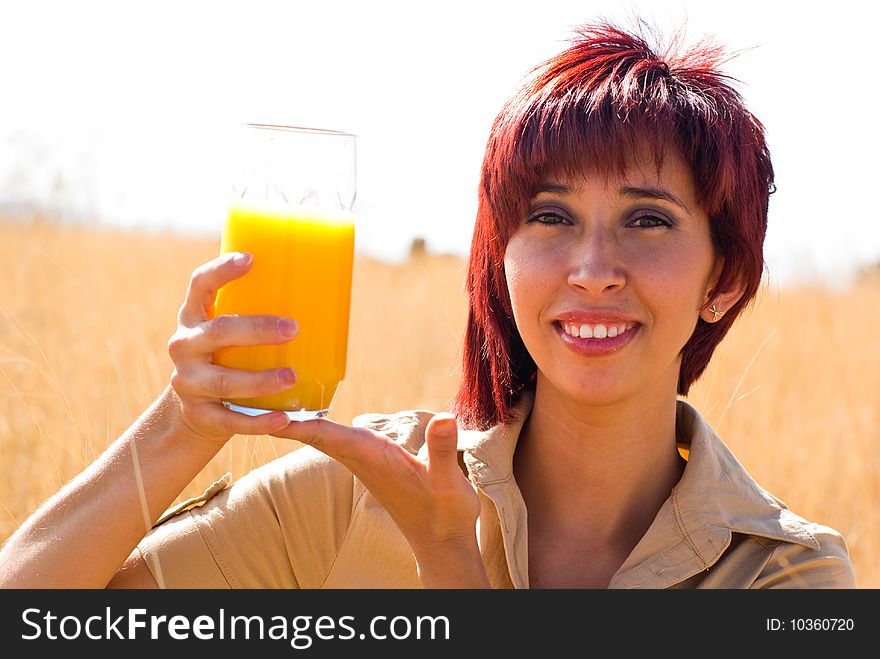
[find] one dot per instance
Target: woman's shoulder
(717, 496)
(826, 564)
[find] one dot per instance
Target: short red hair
(592, 106)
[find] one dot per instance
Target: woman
(622, 212)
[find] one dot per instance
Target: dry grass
(85, 316)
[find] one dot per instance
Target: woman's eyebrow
(555, 188)
(637, 192)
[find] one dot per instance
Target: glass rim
(301, 129)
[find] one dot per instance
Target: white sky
(115, 110)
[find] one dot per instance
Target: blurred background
(115, 112)
(113, 132)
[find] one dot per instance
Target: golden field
(85, 316)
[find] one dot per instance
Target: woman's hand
(432, 502)
(197, 383)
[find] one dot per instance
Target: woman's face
(607, 276)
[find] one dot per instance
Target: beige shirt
(304, 521)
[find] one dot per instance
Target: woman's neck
(597, 474)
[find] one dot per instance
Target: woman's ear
(719, 302)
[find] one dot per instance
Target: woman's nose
(596, 265)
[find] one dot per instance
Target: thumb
(441, 436)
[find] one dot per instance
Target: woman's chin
(594, 393)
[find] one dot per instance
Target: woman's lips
(596, 339)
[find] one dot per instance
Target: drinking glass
(291, 208)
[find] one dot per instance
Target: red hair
(593, 106)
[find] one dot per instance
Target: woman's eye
(650, 221)
(547, 217)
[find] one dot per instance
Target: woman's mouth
(596, 339)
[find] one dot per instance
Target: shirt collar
(716, 489)
(488, 454)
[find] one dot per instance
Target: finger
(206, 280)
(441, 436)
(230, 330)
(221, 382)
(344, 443)
(236, 423)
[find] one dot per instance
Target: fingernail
(287, 327)
(281, 421)
(445, 423)
(241, 259)
(287, 376)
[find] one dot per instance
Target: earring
(715, 313)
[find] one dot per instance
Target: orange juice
(301, 269)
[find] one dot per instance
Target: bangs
(564, 141)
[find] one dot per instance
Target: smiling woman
(619, 233)
(606, 103)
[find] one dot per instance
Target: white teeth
(597, 331)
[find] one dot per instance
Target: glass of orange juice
(291, 208)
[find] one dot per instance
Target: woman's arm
(81, 536)
(428, 496)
